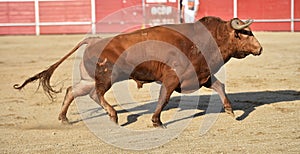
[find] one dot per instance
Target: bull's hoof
(64, 120)
(229, 111)
(114, 119)
(158, 125)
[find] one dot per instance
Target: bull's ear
(235, 24)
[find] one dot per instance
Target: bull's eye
(245, 32)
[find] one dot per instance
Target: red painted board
(297, 10)
(78, 29)
(17, 30)
(278, 26)
(65, 11)
(219, 8)
(297, 26)
(103, 8)
(17, 12)
(264, 9)
(297, 15)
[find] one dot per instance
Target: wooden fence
(35, 17)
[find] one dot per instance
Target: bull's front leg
(219, 87)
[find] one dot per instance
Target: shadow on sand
(245, 101)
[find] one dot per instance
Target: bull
(180, 64)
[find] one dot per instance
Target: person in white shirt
(189, 10)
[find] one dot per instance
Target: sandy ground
(264, 90)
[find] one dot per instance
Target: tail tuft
(44, 80)
(44, 76)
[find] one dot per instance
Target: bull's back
(126, 42)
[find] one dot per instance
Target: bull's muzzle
(259, 52)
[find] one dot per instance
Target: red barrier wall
(111, 18)
(11, 12)
(297, 15)
(264, 10)
(65, 11)
(220, 8)
(67, 17)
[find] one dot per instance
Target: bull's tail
(44, 76)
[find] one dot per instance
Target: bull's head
(243, 38)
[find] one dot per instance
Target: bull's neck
(220, 33)
(219, 56)
(213, 44)
(226, 54)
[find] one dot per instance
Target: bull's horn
(235, 24)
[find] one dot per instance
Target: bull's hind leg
(80, 89)
(168, 86)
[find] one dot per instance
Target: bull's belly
(185, 89)
(190, 81)
(145, 77)
(192, 84)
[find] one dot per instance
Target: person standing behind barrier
(189, 10)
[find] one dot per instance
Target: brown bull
(182, 57)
